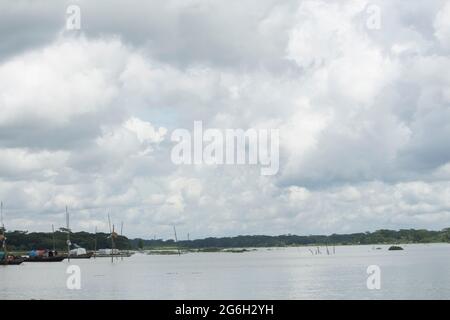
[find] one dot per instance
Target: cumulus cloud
(85, 116)
(442, 26)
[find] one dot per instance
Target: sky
(359, 91)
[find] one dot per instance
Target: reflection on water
(418, 272)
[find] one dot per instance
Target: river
(418, 272)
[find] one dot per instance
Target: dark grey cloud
(25, 25)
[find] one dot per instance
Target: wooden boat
(45, 259)
(87, 255)
(5, 258)
(10, 262)
(112, 255)
(44, 256)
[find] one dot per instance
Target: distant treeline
(22, 240)
(377, 237)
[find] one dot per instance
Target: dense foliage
(377, 237)
(23, 241)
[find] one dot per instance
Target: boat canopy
(78, 251)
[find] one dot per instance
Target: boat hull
(11, 262)
(82, 256)
(119, 255)
(45, 259)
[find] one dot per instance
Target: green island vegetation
(21, 241)
(258, 241)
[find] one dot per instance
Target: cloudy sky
(363, 114)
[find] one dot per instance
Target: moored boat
(5, 257)
(80, 253)
(45, 259)
(9, 259)
(108, 253)
(83, 256)
(15, 261)
(44, 256)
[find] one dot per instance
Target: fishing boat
(113, 252)
(9, 259)
(108, 253)
(5, 258)
(88, 255)
(43, 256)
(44, 259)
(80, 253)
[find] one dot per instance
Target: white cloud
(57, 83)
(442, 26)
(363, 116)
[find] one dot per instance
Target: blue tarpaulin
(32, 253)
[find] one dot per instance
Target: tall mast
(95, 242)
(1, 216)
(176, 239)
(3, 231)
(112, 239)
(53, 237)
(68, 235)
(121, 234)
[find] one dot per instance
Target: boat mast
(95, 242)
(1, 216)
(112, 239)
(3, 231)
(121, 234)
(176, 239)
(68, 235)
(53, 236)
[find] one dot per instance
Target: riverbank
(24, 241)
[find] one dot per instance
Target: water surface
(418, 272)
